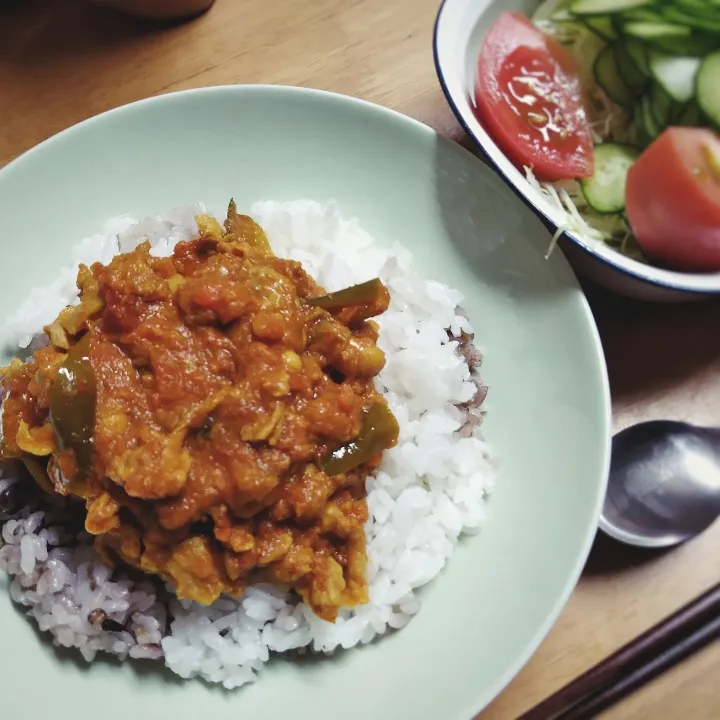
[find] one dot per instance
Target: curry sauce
(216, 412)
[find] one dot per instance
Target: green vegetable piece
(707, 23)
(645, 15)
(601, 26)
(605, 190)
(645, 124)
(697, 43)
(638, 54)
(676, 73)
(605, 7)
(608, 77)
(655, 30)
(708, 88)
(38, 473)
(629, 71)
(688, 116)
(379, 431)
(72, 405)
(361, 294)
(662, 106)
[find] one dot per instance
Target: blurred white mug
(159, 9)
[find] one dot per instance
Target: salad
(612, 108)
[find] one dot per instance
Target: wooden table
(63, 61)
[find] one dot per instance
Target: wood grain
(64, 61)
(680, 635)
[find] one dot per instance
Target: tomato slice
(672, 199)
(529, 97)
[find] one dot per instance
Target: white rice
(430, 489)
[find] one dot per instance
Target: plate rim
(532, 643)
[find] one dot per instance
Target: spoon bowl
(664, 485)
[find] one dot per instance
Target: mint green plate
(548, 406)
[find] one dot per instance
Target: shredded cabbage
(567, 198)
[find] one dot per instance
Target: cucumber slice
(676, 74)
(662, 105)
(555, 10)
(699, 7)
(605, 190)
(643, 15)
(601, 26)
(707, 23)
(651, 125)
(655, 30)
(689, 116)
(609, 79)
(642, 136)
(708, 88)
(646, 126)
(636, 80)
(638, 54)
(697, 44)
(605, 7)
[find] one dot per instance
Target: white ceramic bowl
(548, 406)
(459, 31)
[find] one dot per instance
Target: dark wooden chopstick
(659, 648)
(673, 655)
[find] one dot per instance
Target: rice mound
(429, 490)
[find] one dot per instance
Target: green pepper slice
(362, 294)
(379, 431)
(72, 405)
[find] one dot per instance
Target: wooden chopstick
(659, 648)
(673, 655)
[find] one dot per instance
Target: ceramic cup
(158, 9)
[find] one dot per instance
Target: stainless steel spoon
(664, 485)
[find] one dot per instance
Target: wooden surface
(63, 61)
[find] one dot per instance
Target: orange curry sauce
(213, 417)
